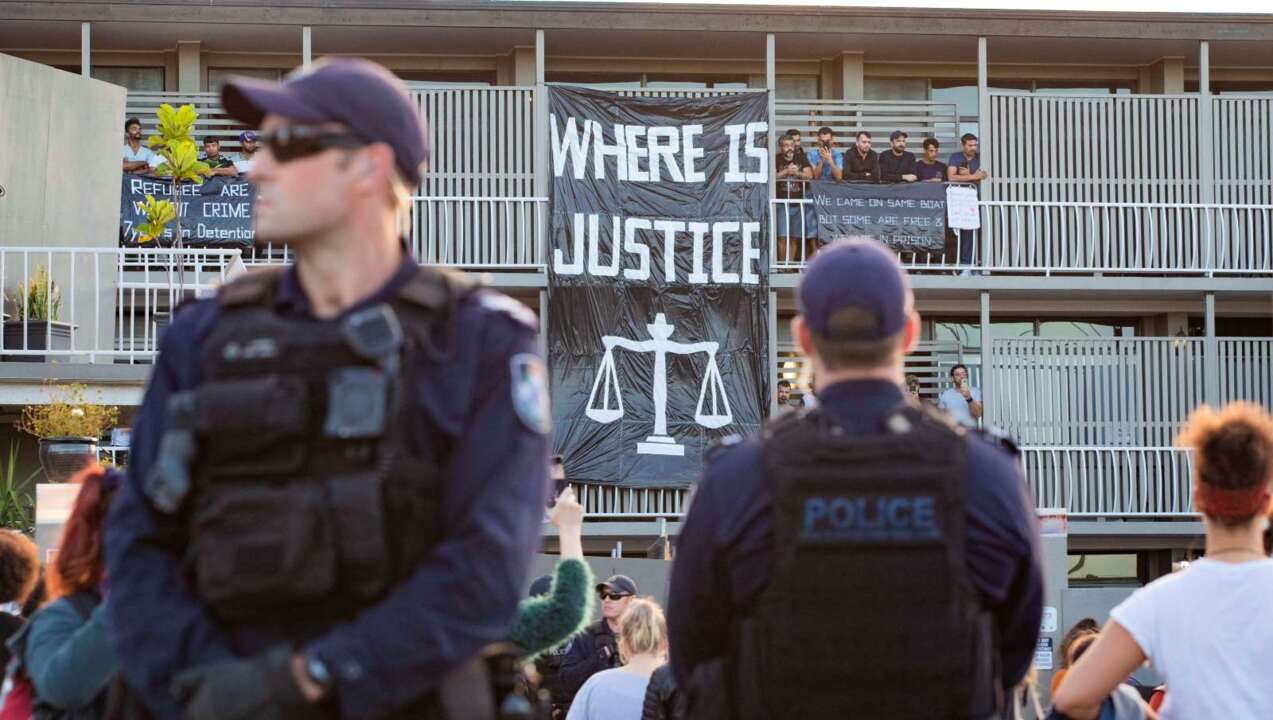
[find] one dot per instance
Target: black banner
(908, 217)
(216, 213)
(658, 280)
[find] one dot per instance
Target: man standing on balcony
(796, 222)
(137, 157)
(219, 164)
(245, 160)
(339, 468)
(929, 168)
(962, 401)
(965, 167)
(826, 159)
(861, 164)
(864, 558)
(897, 165)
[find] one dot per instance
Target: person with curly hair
(1206, 629)
(19, 572)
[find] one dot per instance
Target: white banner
(961, 208)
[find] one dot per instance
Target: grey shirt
(610, 695)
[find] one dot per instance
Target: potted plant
(34, 325)
(68, 428)
(17, 505)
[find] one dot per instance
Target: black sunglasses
(613, 595)
(298, 141)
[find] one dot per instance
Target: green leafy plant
(175, 144)
(17, 505)
(68, 414)
(37, 299)
(158, 215)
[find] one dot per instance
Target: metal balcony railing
(99, 304)
(1133, 482)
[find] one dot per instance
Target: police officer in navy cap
(597, 647)
(868, 558)
(339, 468)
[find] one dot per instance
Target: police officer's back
(865, 558)
(338, 470)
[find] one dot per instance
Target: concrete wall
(61, 136)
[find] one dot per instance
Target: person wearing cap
(218, 164)
(597, 647)
(339, 468)
(865, 558)
(896, 164)
(243, 161)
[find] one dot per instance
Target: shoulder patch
(498, 302)
(529, 384)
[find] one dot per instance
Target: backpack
(20, 700)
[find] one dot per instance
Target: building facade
(1123, 273)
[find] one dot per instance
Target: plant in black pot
(68, 428)
(33, 324)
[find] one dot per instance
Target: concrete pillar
(990, 411)
(1210, 354)
(853, 75)
(189, 66)
(1167, 76)
(523, 66)
(830, 84)
(307, 46)
(86, 64)
(1206, 148)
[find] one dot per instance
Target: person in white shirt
(245, 159)
(963, 401)
(1206, 629)
(137, 157)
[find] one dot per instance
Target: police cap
(859, 273)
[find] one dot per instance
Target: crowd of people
(795, 166)
(139, 159)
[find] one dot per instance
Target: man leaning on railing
(796, 225)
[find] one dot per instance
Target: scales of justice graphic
(712, 388)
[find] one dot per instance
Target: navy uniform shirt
(723, 556)
(461, 596)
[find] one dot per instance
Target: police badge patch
(530, 392)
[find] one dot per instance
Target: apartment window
(134, 79)
(445, 79)
(1104, 569)
(796, 87)
(889, 88)
(218, 77)
(968, 333)
(1252, 327)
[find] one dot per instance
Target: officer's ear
(910, 332)
(803, 338)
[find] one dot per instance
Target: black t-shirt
(924, 171)
(790, 187)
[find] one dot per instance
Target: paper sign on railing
(961, 208)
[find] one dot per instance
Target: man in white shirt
(962, 401)
(137, 157)
(245, 158)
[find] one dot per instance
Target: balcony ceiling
(907, 43)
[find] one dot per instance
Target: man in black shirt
(219, 164)
(929, 168)
(897, 165)
(861, 164)
(795, 221)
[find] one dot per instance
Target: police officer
(867, 558)
(339, 469)
(597, 647)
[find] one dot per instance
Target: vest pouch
(361, 533)
(261, 547)
(254, 426)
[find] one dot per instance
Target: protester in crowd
(597, 647)
(219, 164)
(962, 401)
(826, 158)
(1080, 629)
(137, 157)
(619, 693)
(896, 164)
(929, 168)
(861, 164)
(912, 387)
(965, 167)
(794, 134)
(245, 159)
(796, 223)
(1126, 702)
(559, 604)
(785, 401)
(19, 571)
(64, 650)
(817, 565)
(1206, 629)
(355, 562)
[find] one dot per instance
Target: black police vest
(309, 502)
(869, 612)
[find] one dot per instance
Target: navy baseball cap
(363, 96)
(247, 135)
(618, 584)
(896, 134)
(862, 274)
